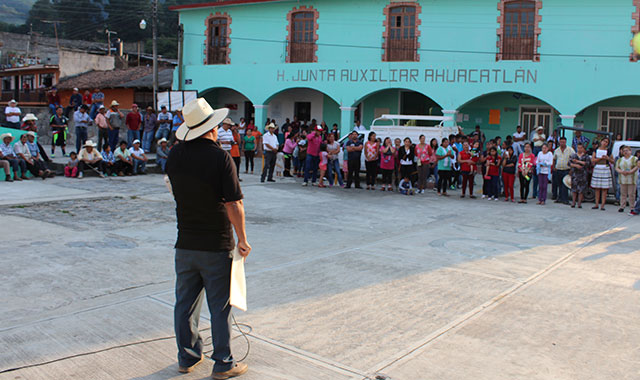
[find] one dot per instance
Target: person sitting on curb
(109, 161)
(89, 157)
(21, 149)
(124, 163)
(139, 158)
(162, 154)
(7, 153)
(36, 153)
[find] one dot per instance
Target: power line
(351, 46)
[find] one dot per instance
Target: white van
(615, 151)
(401, 132)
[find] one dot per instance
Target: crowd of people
(311, 151)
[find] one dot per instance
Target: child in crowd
(324, 159)
(280, 163)
(405, 186)
(71, 170)
(509, 163)
(109, 160)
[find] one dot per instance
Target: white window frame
(551, 124)
(615, 109)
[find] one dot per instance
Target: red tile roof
(221, 3)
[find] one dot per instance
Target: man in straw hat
(7, 154)
(12, 114)
(208, 203)
(89, 157)
(115, 121)
(270, 146)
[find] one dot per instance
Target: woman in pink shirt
(526, 166)
(371, 152)
(387, 163)
(289, 145)
(423, 154)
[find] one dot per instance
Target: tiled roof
(104, 79)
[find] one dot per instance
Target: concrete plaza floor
(343, 284)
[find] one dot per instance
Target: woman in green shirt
(249, 150)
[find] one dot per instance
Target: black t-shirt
(355, 155)
(203, 177)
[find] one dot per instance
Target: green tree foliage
(88, 20)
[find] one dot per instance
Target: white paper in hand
(238, 289)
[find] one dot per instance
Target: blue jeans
(535, 175)
(132, 135)
(199, 273)
(94, 109)
(139, 166)
(52, 108)
(81, 137)
(12, 125)
(637, 208)
(311, 168)
(147, 140)
(162, 162)
(494, 186)
(331, 166)
(163, 132)
(616, 185)
(113, 138)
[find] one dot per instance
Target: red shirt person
(133, 122)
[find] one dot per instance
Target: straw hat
(89, 143)
(5, 135)
(114, 103)
(31, 133)
(567, 180)
(199, 118)
(12, 101)
(228, 121)
(271, 125)
(29, 117)
(162, 140)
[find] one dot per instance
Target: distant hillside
(15, 11)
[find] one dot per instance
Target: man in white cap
(208, 204)
(90, 158)
(270, 147)
(81, 120)
(115, 120)
(75, 101)
(12, 114)
(139, 158)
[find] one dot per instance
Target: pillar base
(347, 118)
(260, 117)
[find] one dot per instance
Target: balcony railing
(218, 56)
(401, 50)
(31, 96)
(518, 48)
(302, 52)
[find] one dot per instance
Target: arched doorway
(619, 115)
(499, 113)
(396, 101)
(222, 97)
(305, 104)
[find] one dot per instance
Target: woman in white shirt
(601, 178)
(544, 162)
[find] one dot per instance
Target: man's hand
(244, 248)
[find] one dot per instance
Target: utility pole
(154, 25)
(180, 48)
(109, 33)
(55, 28)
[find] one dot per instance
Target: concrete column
(260, 116)
(452, 114)
(567, 121)
(347, 116)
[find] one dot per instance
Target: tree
(81, 19)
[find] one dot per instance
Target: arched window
(519, 32)
(401, 34)
(302, 35)
(217, 50)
